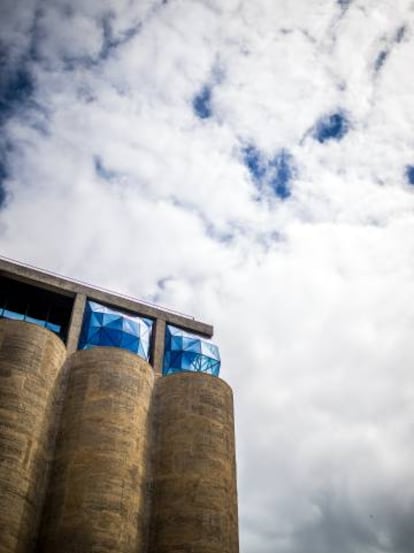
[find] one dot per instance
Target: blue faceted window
(105, 326)
(188, 352)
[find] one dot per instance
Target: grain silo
(194, 501)
(97, 499)
(31, 358)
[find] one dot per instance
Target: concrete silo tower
(116, 434)
(194, 500)
(30, 363)
(97, 498)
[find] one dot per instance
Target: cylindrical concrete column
(194, 505)
(30, 361)
(97, 495)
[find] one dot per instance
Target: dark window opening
(24, 302)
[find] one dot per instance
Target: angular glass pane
(95, 319)
(13, 315)
(188, 352)
(112, 321)
(176, 342)
(35, 321)
(130, 326)
(129, 342)
(53, 327)
(114, 336)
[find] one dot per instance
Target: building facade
(116, 434)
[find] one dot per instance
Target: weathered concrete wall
(157, 346)
(75, 324)
(194, 501)
(30, 362)
(97, 496)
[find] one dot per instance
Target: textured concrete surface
(158, 339)
(75, 325)
(97, 498)
(138, 467)
(30, 362)
(194, 498)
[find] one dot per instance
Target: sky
(251, 164)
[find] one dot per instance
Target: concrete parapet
(97, 499)
(30, 361)
(194, 497)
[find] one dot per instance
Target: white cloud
(310, 297)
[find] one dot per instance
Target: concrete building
(116, 434)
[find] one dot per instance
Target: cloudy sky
(250, 163)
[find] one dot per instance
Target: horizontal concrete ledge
(68, 287)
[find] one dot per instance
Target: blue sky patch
(255, 162)
(2, 195)
(102, 171)
(282, 171)
(381, 59)
(3, 176)
(409, 173)
(16, 87)
(399, 35)
(276, 173)
(331, 127)
(202, 103)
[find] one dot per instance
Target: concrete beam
(57, 283)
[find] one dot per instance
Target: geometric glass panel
(105, 326)
(184, 351)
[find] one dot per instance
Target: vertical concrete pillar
(98, 490)
(30, 361)
(194, 504)
(158, 340)
(76, 320)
